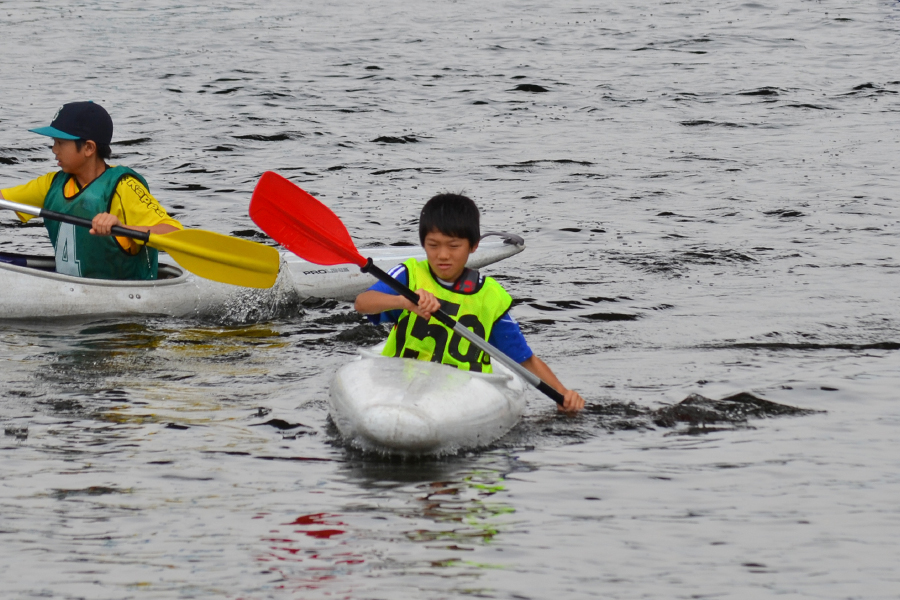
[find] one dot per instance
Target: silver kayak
(413, 407)
(30, 288)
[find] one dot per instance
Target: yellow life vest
(475, 304)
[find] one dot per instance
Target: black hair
(103, 150)
(451, 214)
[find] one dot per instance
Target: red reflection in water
(325, 558)
(314, 519)
(323, 533)
(318, 519)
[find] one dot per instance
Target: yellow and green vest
(81, 254)
(475, 304)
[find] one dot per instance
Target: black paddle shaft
(143, 236)
(465, 332)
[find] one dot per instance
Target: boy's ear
(475, 247)
(90, 148)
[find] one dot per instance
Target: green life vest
(475, 304)
(81, 254)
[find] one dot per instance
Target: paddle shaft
(467, 333)
(117, 230)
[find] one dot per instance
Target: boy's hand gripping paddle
(310, 230)
(210, 255)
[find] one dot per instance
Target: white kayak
(31, 288)
(405, 406)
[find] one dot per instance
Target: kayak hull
(413, 407)
(31, 289)
(30, 292)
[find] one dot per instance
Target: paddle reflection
(319, 541)
(151, 371)
(432, 525)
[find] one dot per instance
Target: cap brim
(54, 133)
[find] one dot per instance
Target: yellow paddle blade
(220, 257)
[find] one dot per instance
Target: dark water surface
(708, 191)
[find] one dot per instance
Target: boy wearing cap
(87, 187)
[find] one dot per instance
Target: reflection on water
(325, 559)
(101, 353)
(321, 550)
(467, 507)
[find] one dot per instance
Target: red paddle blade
(301, 223)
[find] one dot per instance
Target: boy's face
(447, 255)
(68, 157)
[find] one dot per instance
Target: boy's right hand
(428, 304)
(103, 223)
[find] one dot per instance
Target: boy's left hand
(103, 223)
(572, 402)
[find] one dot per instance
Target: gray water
(708, 194)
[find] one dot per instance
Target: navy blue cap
(80, 121)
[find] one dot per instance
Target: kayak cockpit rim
(45, 267)
(508, 238)
(375, 352)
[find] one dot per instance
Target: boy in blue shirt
(449, 231)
